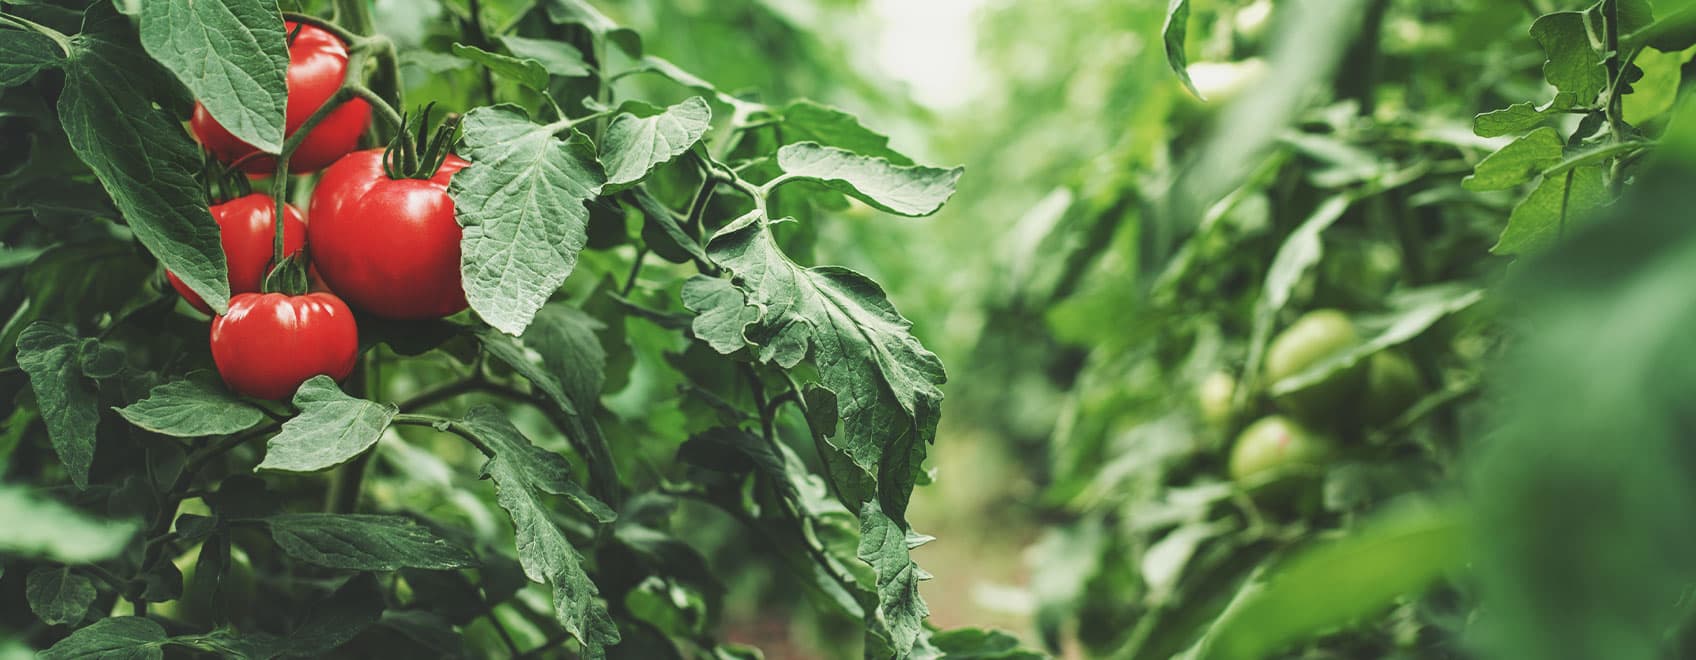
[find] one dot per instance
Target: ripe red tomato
(247, 226)
(388, 246)
(317, 65)
(270, 343)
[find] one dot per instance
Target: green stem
(355, 15)
(635, 269)
(446, 425)
(331, 27)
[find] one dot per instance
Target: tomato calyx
(417, 154)
(291, 276)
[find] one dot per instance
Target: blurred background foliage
(1112, 248)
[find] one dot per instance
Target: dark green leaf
(23, 53)
(886, 546)
(231, 55)
(564, 336)
(141, 154)
(40, 527)
(192, 408)
(524, 71)
(513, 353)
(886, 383)
(50, 354)
(522, 472)
(117, 638)
(364, 542)
(1173, 34)
(521, 203)
(331, 429)
(979, 644)
(557, 57)
(644, 137)
(59, 596)
(906, 190)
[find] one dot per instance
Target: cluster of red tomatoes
(387, 246)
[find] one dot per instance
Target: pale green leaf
(1573, 65)
(806, 121)
(644, 137)
(521, 204)
(192, 408)
(331, 429)
(557, 57)
(232, 55)
(1519, 162)
(1399, 553)
(524, 71)
(1539, 219)
(905, 190)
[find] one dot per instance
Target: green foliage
(629, 414)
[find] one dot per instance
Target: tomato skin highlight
(317, 66)
(388, 246)
(270, 343)
(247, 226)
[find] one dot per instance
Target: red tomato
(247, 226)
(388, 246)
(270, 343)
(317, 65)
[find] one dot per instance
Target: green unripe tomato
(1276, 449)
(1314, 338)
(1213, 397)
(1392, 384)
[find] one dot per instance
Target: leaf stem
(445, 425)
(635, 269)
(331, 27)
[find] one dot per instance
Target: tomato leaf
(331, 429)
(1519, 117)
(232, 55)
(364, 542)
(524, 71)
(40, 527)
(557, 57)
(1518, 162)
(886, 383)
(141, 154)
(979, 644)
(122, 637)
(1412, 312)
(51, 355)
(564, 337)
(906, 190)
(886, 546)
(806, 121)
(192, 408)
(24, 53)
(1173, 34)
(521, 203)
(1573, 66)
(1537, 221)
(510, 351)
(582, 13)
(522, 472)
(59, 596)
(643, 137)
